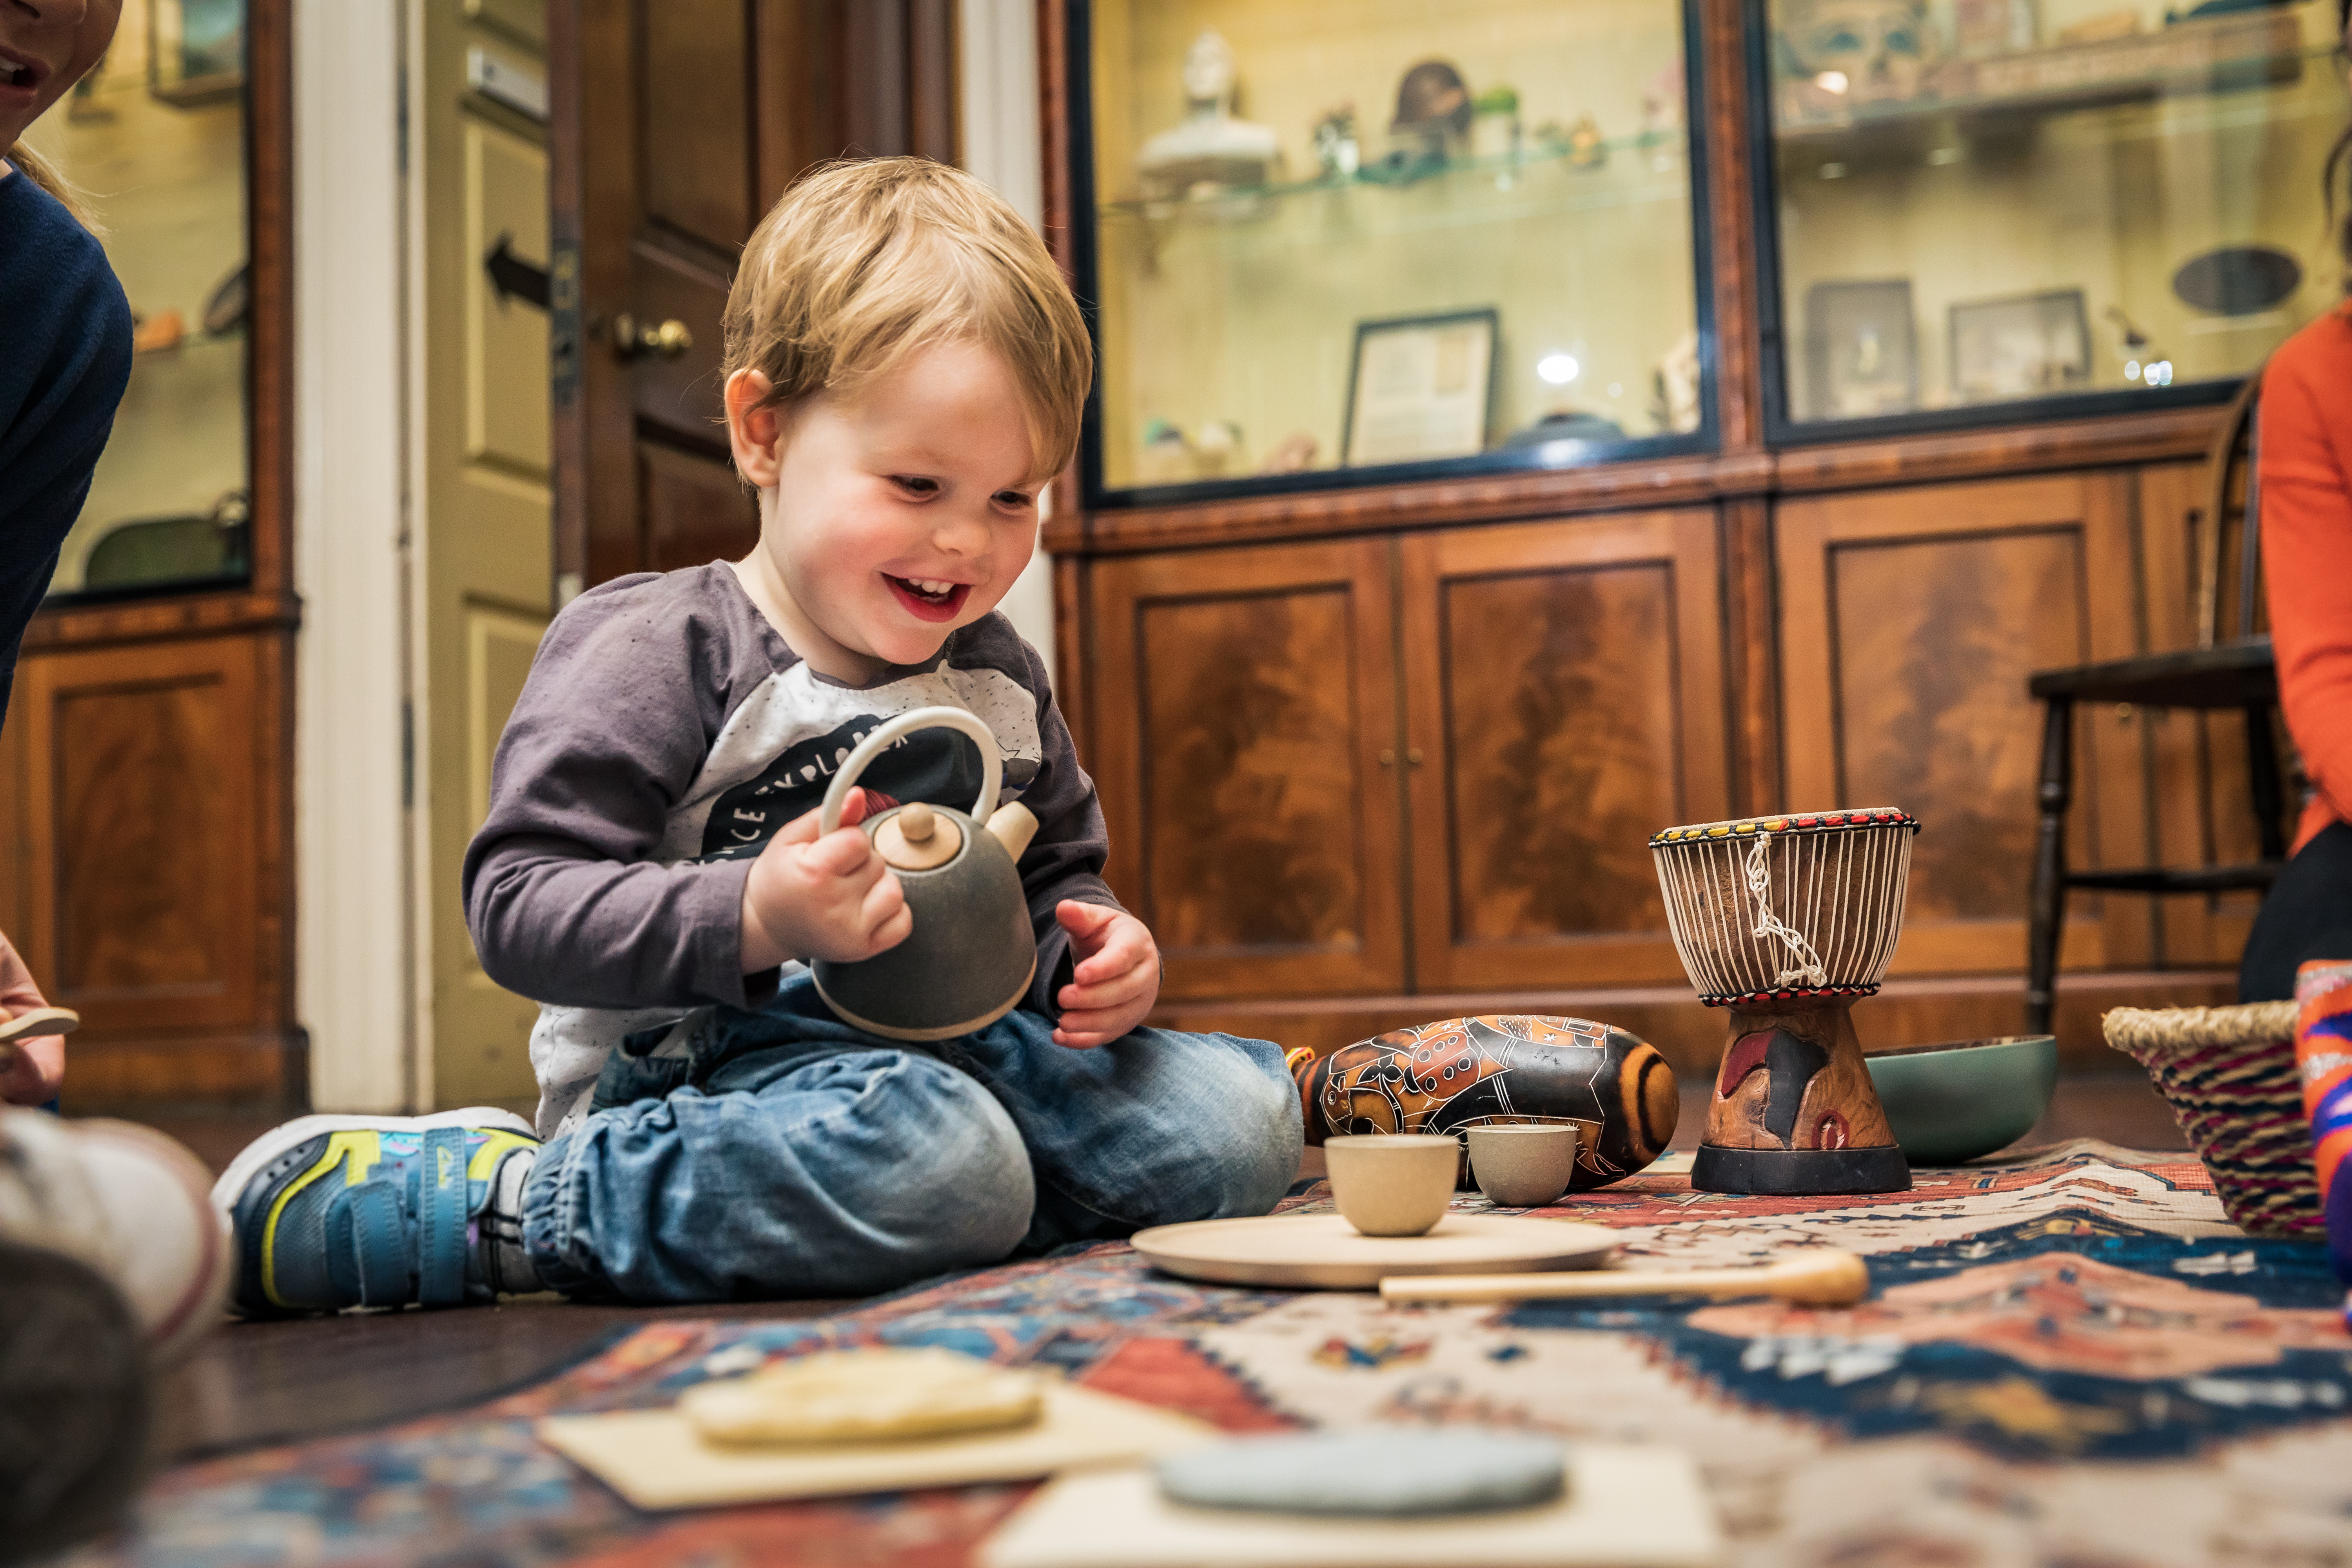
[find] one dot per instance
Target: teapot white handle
(992, 762)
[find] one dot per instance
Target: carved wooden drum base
(1794, 1110)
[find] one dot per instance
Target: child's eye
(916, 484)
(1013, 500)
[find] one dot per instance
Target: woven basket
(2229, 1076)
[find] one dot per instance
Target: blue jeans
(786, 1153)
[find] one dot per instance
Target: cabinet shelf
(2222, 53)
(1547, 181)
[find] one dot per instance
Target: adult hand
(1117, 978)
(30, 1067)
(832, 897)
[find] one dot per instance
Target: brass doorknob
(632, 337)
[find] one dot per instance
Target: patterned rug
(2068, 1360)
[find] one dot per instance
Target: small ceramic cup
(1392, 1184)
(1523, 1167)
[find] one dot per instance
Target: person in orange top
(2307, 521)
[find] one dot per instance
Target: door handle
(633, 337)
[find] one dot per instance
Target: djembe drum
(1786, 920)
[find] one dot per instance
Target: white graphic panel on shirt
(937, 765)
(777, 753)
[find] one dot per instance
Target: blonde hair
(862, 263)
(44, 173)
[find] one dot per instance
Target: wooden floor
(253, 1384)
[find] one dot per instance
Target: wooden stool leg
(2047, 913)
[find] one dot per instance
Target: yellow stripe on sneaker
(358, 1152)
(496, 1145)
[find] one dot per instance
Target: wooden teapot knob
(915, 837)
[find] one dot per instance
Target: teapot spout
(1013, 826)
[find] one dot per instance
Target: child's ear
(753, 430)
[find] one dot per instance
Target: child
(905, 368)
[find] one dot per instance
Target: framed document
(1861, 349)
(2020, 346)
(1420, 388)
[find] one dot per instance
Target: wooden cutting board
(655, 1459)
(1323, 1251)
(1626, 1507)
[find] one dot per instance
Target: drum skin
(1459, 1073)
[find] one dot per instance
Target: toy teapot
(972, 953)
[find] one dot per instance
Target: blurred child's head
(904, 369)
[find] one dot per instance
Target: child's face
(890, 518)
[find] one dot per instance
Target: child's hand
(830, 897)
(30, 1068)
(1117, 979)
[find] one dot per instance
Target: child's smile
(890, 513)
(932, 600)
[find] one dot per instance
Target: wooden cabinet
(1247, 699)
(1560, 655)
(145, 791)
(1564, 701)
(146, 770)
(1910, 620)
(1428, 763)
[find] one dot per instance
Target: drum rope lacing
(1804, 964)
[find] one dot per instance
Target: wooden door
(1245, 742)
(484, 563)
(1565, 700)
(1909, 622)
(677, 123)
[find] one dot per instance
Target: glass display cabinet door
(1991, 210)
(156, 137)
(1345, 244)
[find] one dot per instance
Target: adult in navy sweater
(65, 327)
(64, 359)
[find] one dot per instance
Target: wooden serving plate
(1322, 1251)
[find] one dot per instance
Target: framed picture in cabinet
(2025, 345)
(1419, 388)
(1267, 222)
(2013, 161)
(1862, 348)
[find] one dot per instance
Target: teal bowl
(1954, 1103)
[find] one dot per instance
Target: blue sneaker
(372, 1211)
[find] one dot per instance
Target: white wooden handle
(41, 1021)
(991, 760)
(1821, 1278)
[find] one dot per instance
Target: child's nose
(961, 533)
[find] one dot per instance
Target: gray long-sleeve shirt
(664, 736)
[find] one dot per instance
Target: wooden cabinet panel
(1910, 621)
(142, 782)
(1243, 700)
(1565, 701)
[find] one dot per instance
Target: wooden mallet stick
(1823, 1277)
